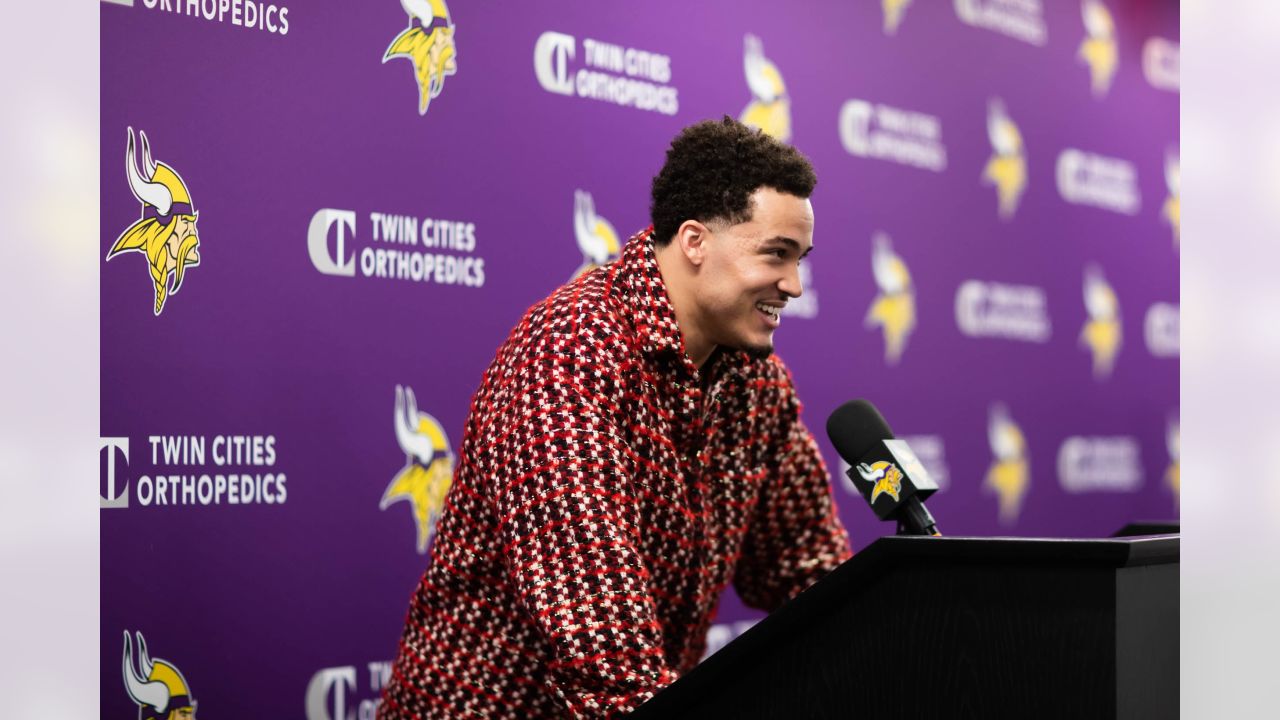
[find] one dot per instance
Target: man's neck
(674, 277)
(708, 368)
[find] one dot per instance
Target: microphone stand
(916, 520)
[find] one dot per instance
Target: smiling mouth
(772, 313)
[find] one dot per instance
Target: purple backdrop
(351, 241)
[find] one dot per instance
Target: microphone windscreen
(855, 427)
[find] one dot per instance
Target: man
(633, 448)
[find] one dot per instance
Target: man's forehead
(782, 207)
(784, 217)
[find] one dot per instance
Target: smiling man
(633, 449)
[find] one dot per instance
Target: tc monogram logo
(318, 242)
(111, 500)
(339, 680)
(551, 56)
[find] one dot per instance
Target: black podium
(920, 627)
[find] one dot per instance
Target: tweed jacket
(607, 492)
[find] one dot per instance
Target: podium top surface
(1115, 551)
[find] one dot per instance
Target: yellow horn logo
(1102, 331)
(769, 109)
(428, 471)
(894, 309)
(156, 686)
(1009, 475)
(893, 12)
(428, 44)
(886, 476)
(1007, 168)
(166, 232)
(1098, 50)
(1172, 210)
(596, 237)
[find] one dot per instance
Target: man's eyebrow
(793, 244)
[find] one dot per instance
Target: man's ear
(692, 238)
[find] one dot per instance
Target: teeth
(767, 309)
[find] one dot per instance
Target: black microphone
(885, 470)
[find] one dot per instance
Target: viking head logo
(1098, 50)
(428, 44)
(1009, 475)
(158, 687)
(1007, 168)
(428, 469)
(894, 309)
(1173, 204)
(1173, 475)
(596, 237)
(166, 232)
(886, 476)
(769, 109)
(1102, 332)
(893, 12)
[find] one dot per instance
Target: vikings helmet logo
(596, 237)
(1009, 474)
(1173, 475)
(1172, 210)
(1098, 50)
(1102, 332)
(1007, 168)
(893, 12)
(428, 44)
(428, 470)
(886, 476)
(769, 109)
(159, 688)
(166, 232)
(894, 309)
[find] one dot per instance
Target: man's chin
(758, 352)
(757, 349)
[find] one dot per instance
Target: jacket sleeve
(796, 536)
(568, 524)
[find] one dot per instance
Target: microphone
(884, 469)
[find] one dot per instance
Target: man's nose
(790, 283)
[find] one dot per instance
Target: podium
(953, 627)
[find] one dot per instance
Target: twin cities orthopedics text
(212, 470)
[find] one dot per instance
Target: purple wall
(1038, 367)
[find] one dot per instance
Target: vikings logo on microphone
(894, 309)
(596, 237)
(157, 686)
(428, 470)
(428, 44)
(769, 109)
(1098, 50)
(1007, 168)
(1173, 474)
(886, 476)
(1009, 475)
(1172, 210)
(893, 12)
(166, 232)
(1102, 332)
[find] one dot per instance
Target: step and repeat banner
(320, 219)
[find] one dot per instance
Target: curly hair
(712, 169)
